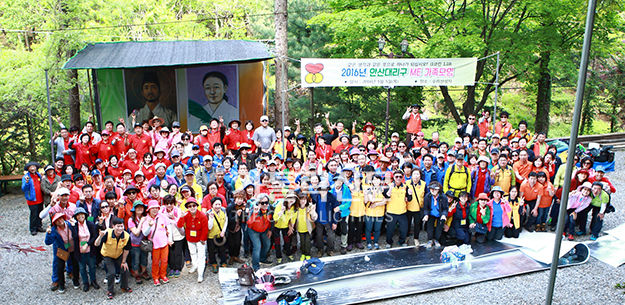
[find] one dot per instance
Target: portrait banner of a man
(151, 92)
(213, 93)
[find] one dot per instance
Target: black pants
(495, 233)
(305, 240)
(213, 249)
(60, 270)
(417, 218)
(234, 243)
(355, 229)
(434, 228)
(279, 234)
(582, 219)
(35, 221)
(399, 220)
(111, 265)
(512, 232)
(175, 255)
(531, 219)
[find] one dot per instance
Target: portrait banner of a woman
(213, 93)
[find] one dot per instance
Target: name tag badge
(83, 243)
(90, 218)
(192, 233)
(463, 222)
(67, 245)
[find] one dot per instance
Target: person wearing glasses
(503, 128)
(259, 228)
(264, 136)
(470, 128)
(397, 195)
(503, 174)
(195, 226)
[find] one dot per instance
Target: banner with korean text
(344, 72)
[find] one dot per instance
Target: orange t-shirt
(545, 200)
(523, 169)
(531, 193)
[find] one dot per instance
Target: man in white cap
(59, 203)
(264, 136)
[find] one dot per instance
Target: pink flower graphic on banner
(313, 75)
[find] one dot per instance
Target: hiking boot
(343, 250)
(349, 247)
(85, 287)
(266, 262)
(291, 258)
(303, 257)
(238, 260)
(231, 260)
(215, 268)
(224, 265)
(359, 246)
(54, 286)
(95, 285)
(279, 260)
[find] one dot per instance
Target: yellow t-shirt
(357, 209)
(377, 211)
(282, 221)
(302, 218)
(418, 192)
(397, 203)
(221, 217)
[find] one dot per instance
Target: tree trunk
(543, 98)
(31, 138)
(449, 102)
(469, 105)
(281, 96)
(74, 98)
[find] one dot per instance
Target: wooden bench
(4, 181)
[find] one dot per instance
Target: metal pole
(284, 95)
(388, 104)
(494, 119)
(579, 95)
(312, 109)
(50, 118)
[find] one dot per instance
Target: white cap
(395, 135)
(264, 117)
(458, 140)
(63, 191)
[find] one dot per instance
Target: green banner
(112, 94)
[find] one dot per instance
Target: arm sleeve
(406, 115)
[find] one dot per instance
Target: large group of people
(121, 198)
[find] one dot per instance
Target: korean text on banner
(323, 72)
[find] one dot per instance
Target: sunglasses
(402, 145)
(471, 118)
(264, 120)
(398, 177)
(587, 162)
(132, 193)
(103, 206)
(515, 155)
(169, 203)
(504, 117)
(264, 202)
(190, 206)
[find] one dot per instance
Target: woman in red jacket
(83, 149)
(248, 135)
(196, 231)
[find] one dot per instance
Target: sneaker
(54, 286)
(267, 262)
(437, 245)
(291, 258)
(61, 289)
(76, 285)
(404, 245)
(145, 275)
(329, 253)
(170, 273)
(369, 247)
(215, 268)
(593, 237)
(279, 260)
(376, 246)
(224, 265)
(117, 279)
(238, 260)
(109, 295)
(165, 280)
(359, 246)
(571, 237)
(388, 246)
(193, 269)
(188, 264)
(308, 257)
(127, 290)
(157, 283)
(85, 287)
(105, 281)
(138, 280)
(177, 273)
(343, 250)
(349, 247)
(580, 233)
(303, 257)
(416, 243)
(200, 278)
(95, 285)
(428, 245)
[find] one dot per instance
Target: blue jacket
(54, 238)
(487, 184)
(95, 208)
(344, 199)
(325, 208)
(29, 187)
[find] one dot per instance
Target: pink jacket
(505, 216)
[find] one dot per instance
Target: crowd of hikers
(120, 198)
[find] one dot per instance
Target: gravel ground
(25, 278)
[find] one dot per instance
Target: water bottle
(454, 261)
